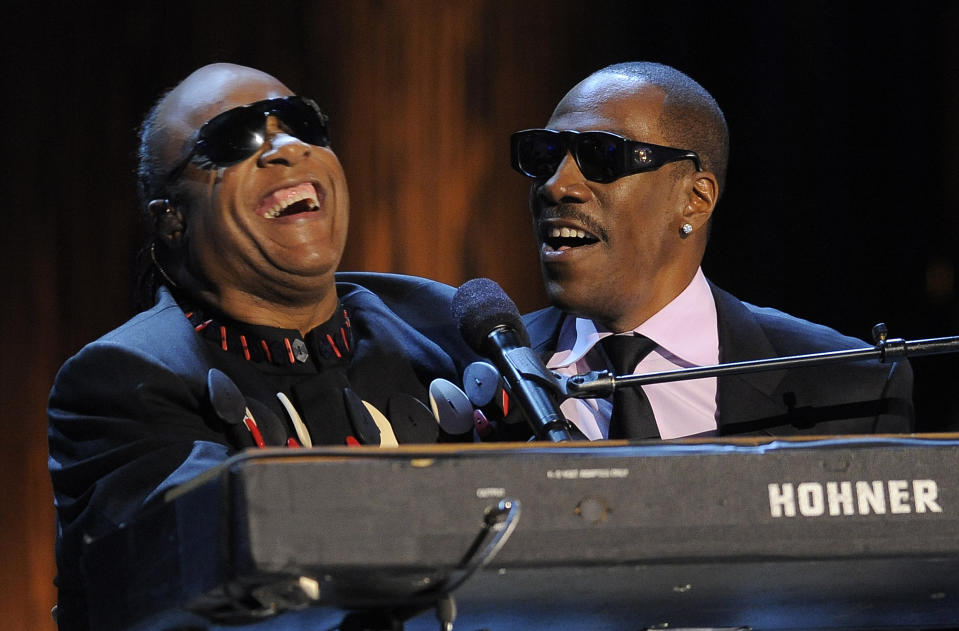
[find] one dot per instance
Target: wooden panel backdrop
(840, 206)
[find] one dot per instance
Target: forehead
(209, 92)
(615, 103)
(200, 103)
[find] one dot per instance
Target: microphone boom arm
(602, 383)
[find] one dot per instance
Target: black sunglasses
(600, 155)
(235, 135)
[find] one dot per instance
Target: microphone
(491, 325)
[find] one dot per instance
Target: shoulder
(395, 287)
(543, 328)
(785, 333)
(857, 396)
(410, 297)
(163, 316)
(159, 339)
(396, 301)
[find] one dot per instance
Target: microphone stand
(603, 383)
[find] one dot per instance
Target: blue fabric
(130, 414)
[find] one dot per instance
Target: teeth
(556, 233)
(287, 199)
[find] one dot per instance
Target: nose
(282, 147)
(566, 185)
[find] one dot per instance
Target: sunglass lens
(597, 156)
(232, 136)
(304, 120)
(237, 134)
(540, 153)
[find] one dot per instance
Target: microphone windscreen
(480, 306)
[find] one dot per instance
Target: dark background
(840, 207)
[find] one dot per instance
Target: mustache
(574, 214)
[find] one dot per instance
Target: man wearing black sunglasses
(252, 340)
(625, 178)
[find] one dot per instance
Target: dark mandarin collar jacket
(131, 416)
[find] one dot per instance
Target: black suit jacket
(130, 415)
(849, 398)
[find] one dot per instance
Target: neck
(303, 314)
(647, 304)
(269, 303)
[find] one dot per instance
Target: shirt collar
(686, 329)
(330, 342)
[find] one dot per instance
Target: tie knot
(625, 351)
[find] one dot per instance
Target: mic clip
(593, 384)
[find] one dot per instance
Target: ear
(702, 198)
(168, 224)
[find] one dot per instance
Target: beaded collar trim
(282, 347)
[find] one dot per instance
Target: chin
(567, 299)
(312, 261)
(581, 301)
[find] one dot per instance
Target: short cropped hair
(691, 118)
(151, 183)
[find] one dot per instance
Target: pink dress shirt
(687, 335)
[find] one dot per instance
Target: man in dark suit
(625, 180)
(252, 340)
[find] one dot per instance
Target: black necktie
(632, 416)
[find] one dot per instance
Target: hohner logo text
(876, 497)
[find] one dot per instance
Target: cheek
(645, 211)
(342, 197)
(218, 229)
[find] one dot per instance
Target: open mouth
(564, 238)
(302, 198)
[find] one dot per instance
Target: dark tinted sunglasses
(600, 155)
(235, 135)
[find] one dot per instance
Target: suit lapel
(747, 397)
(543, 328)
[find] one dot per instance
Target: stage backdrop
(840, 205)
